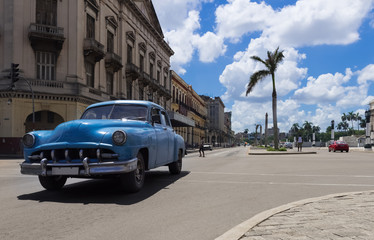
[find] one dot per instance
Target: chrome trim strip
(89, 169)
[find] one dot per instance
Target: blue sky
(328, 46)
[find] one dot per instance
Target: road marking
(280, 183)
(284, 175)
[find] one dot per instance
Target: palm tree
(295, 129)
(308, 128)
(351, 117)
(344, 117)
(271, 65)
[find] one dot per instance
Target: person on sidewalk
(201, 147)
(299, 144)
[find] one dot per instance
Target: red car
(339, 146)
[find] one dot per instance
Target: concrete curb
(238, 231)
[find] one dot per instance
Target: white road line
(283, 175)
(279, 183)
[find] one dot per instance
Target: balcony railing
(46, 29)
(93, 48)
(132, 71)
(47, 83)
(113, 61)
(41, 35)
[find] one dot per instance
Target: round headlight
(28, 140)
(119, 137)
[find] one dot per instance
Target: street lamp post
(367, 146)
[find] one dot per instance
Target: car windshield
(340, 142)
(130, 112)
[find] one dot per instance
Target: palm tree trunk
(275, 120)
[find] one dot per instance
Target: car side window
(163, 119)
(156, 116)
(166, 118)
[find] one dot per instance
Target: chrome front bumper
(78, 169)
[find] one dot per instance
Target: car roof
(137, 102)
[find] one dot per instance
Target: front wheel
(52, 182)
(133, 181)
(176, 167)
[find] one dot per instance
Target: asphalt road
(212, 195)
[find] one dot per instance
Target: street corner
(308, 217)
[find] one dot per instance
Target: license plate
(65, 170)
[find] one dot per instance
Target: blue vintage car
(119, 138)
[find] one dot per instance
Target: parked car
(207, 147)
(339, 146)
(121, 139)
(288, 145)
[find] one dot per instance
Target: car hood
(86, 130)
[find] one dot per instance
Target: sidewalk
(336, 216)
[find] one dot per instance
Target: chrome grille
(73, 155)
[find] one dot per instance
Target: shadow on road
(106, 190)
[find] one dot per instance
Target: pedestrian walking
(299, 144)
(201, 147)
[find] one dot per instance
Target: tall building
(74, 53)
(216, 123)
(190, 109)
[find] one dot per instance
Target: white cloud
(325, 88)
(366, 74)
(240, 17)
(210, 47)
(318, 22)
(173, 13)
(181, 41)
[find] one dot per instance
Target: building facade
(74, 53)
(187, 103)
(217, 134)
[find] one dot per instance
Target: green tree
(271, 64)
(343, 126)
(308, 129)
(351, 117)
(295, 129)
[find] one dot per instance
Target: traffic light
(14, 73)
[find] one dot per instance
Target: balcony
(93, 49)
(113, 61)
(144, 79)
(132, 71)
(46, 37)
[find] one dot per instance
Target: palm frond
(255, 78)
(258, 59)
